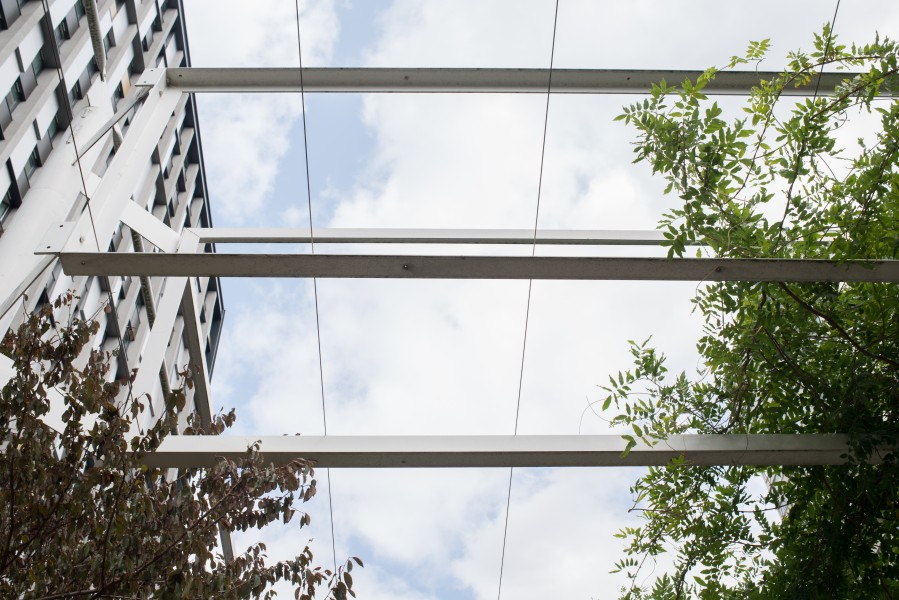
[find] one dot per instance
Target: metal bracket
(150, 77)
(56, 238)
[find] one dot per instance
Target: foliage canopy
(816, 179)
(83, 517)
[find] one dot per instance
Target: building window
(15, 96)
(75, 94)
(79, 9)
(37, 65)
(61, 32)
(34, 161)
(5, 207)
(108, 40)
(52, 128)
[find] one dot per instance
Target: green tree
(82, 517)
(816, 178)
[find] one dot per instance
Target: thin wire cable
(318, 331)
(833, 23)
(527, 311)
(114, 311)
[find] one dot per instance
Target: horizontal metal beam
(504, 450)
(424, 80)
(475, 267)
(572, 237)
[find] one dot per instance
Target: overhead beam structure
(182, 254)
(572, 237)
(506, 450)
(477, 81)
(477, 267)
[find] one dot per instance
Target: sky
(445, 357)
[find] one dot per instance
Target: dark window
(75, 94)
(15, 96)
(52, 128)
(79, 9)
(37, 65)
(9, 13)
(34, 161)
(43, 300)
(108, 40)
(61, 33)
(5, 207)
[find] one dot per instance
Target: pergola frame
(181, 256)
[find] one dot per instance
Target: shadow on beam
(475, 267)
(506, 451)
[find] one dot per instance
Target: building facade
(69, 69)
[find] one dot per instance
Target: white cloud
(559, 543)
(245, 135)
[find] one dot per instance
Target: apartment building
(69, 69)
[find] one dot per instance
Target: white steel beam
(425, 80)
(572, 237)
(505, 450)
(118, 184)
(149, 227)
(157, 343)
(124, 108)
(193, 337)
(476, 267)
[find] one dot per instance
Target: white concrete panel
(105, 22)
(4, 179)
(47, 113)
(166, 153)
(23, 149)
(59, 9)
(9, 71)
(78, 64)
(119, 25)
(31, 45)
(171, 49)
(92, 298)
(147, 21)
(122, 66)
(6, 369)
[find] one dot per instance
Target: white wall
(23, 150)
(31, 45)
(147, 21)
(119, 25)
(171, 49)
(9, 72)
(47, 114)
(59, 9)
(78, 64)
